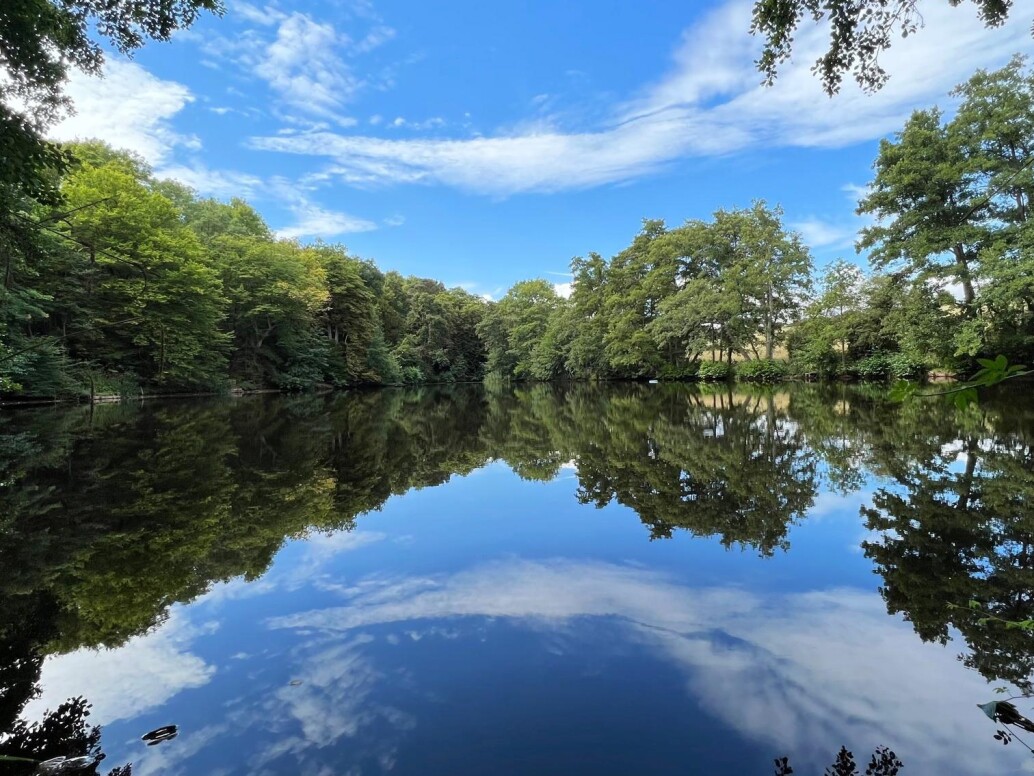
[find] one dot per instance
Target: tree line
(127, 283)
(134, 283)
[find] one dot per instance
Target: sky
(486, 143)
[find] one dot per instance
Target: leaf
(964, 398)
(903, 390)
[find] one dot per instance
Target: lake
(618, 579)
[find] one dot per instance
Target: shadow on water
(108, 516)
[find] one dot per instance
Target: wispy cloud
(213, 183)
(709, 103)
(307, 63)
(303, 65)
(820, 233)
(266, 15)
(312, 220)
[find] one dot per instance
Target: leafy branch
(991, 372)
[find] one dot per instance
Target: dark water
(584, 580)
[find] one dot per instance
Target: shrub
(412, 375)
(762, 370)
(714, 371)
(874, 367)
(905, 366)
(673, 372)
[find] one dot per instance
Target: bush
(412, 375)
(673, 372)
(714, 371)
(762, 370)
(906, 367)
(874, 367)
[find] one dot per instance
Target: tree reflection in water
(111, 515)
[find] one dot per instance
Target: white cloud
(129, 108)
(303, 65)
(395, 220)
(312, 220)
(435, 122)
(265, 16)
(123, 683)
(213, 183)
(818, 233)
(855, 191)
(709, 103)
(375, 38)
(823, 667)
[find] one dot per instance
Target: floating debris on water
(158, 735)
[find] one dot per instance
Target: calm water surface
(583, 580)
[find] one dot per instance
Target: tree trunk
(962, 262)
(769, 327)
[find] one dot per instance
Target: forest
(116, 282)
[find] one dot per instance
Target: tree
(859, 31)
(928, 206)
(39, 41)
(741, 277)
(148, 297)
(638, 280)
(952, 201)
(349, 319)
(275, 291)
(513, 326)
(769, 267)
(825, 335)
(951, 535)
(585, 353)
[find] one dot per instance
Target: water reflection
(110, 517)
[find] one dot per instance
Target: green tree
(151, 302)
(929, 207)
(743, 277)
(639, 278)
(770, 268)
(275, 291)
(585, 351)
(512, 327)
(826, 333)
(349, 318)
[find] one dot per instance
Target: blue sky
(485, 143)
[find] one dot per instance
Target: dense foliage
(134, 283)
